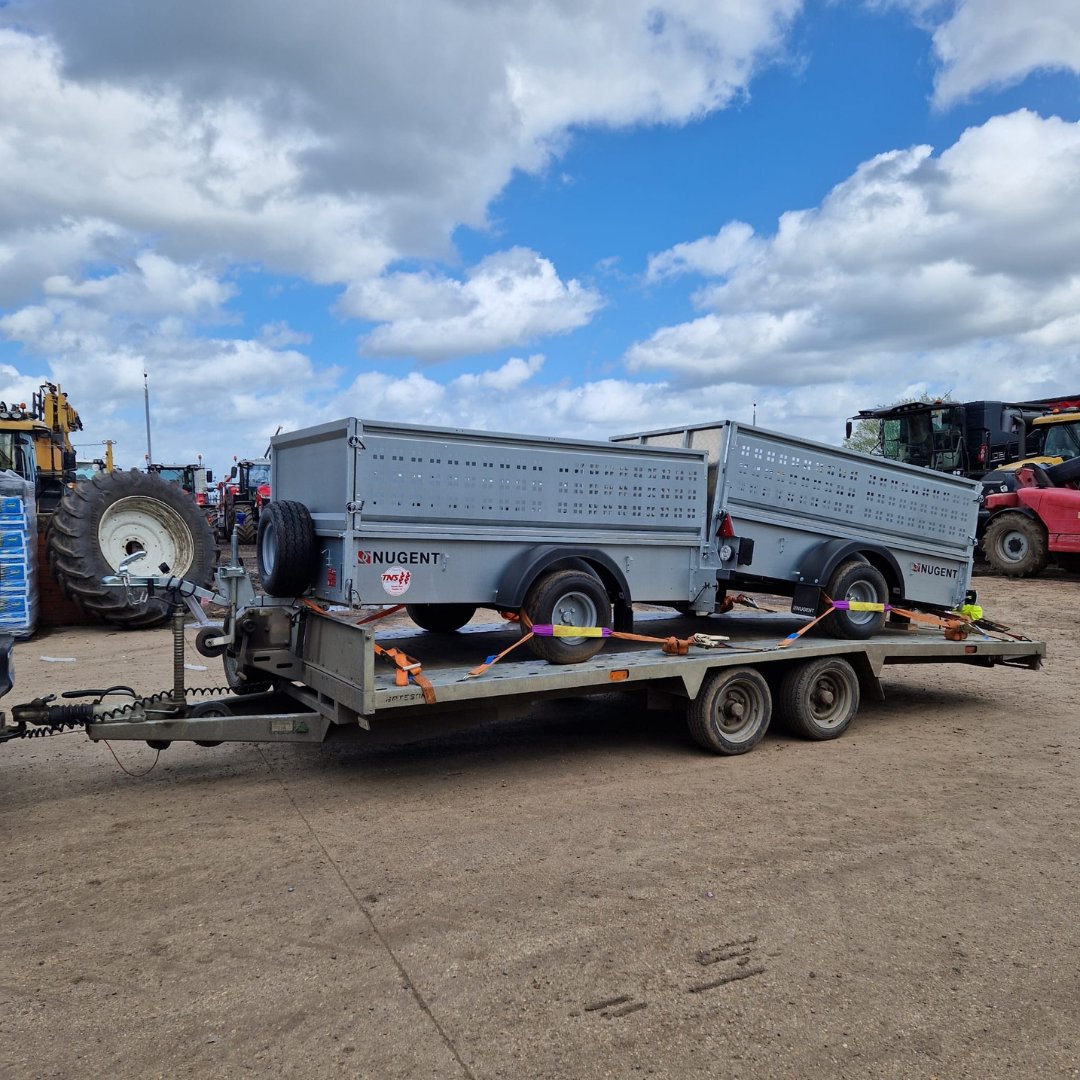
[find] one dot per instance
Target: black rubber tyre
(103, 519)
(243, 680)
(856, 580)
(247, 531)
(203, 636)
(208, 708)
(440, 618)
(567, 598)
(285, 549)
(1015, 545)
(732, 711)
(819, 698)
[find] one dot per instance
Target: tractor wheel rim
(137, 523)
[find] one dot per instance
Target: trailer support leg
(179, 697)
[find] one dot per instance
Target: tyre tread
(78, 564)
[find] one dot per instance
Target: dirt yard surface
(582, 893)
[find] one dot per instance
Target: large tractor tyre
(102, 520)
(732, 711)
(567, 598)
(819, 699)
(247, 532)
(440, 618)
(1015, 545)
(285, 549)
(857, 582)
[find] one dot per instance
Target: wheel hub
(138, 523)
(1015, 546)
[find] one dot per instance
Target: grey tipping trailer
(571, 531)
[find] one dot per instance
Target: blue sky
(572, 219)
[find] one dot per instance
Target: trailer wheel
(857, 581)
(818, 699)
(567, 598)
(208, 708)
(731, 712)
(440, 618)
(202, 639)
(243, 680)
(1015, 545)
(285, 548)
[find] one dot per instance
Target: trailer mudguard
(526, 567)
(821, 561)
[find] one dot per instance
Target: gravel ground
(580, 893)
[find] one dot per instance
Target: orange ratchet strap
(408, 670)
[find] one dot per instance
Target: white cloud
(914, 264)
(511, 375)
(507, 299)
(155, 285)
(986, 44)
(330, 143)
(711, 255)
(509, 398)
(208, 395)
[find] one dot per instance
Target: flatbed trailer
(329, 676)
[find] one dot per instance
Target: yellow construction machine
(36, 443)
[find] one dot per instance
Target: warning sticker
(395, 581)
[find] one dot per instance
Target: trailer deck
(755, 639)
(351, 688)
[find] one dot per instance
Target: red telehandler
(1036, 523)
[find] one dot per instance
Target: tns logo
(396, 581)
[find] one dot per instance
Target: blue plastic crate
(12, 506)
(15, 607)
(14, 574)
(13, 540)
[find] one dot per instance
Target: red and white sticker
(395, 581)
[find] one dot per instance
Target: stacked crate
(18, 556)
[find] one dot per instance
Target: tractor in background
(87, 468)
(971, 438)
(1037, 522)
(193, 480)
(241, 499)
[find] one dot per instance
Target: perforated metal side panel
(475, 481)
(851, 491)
